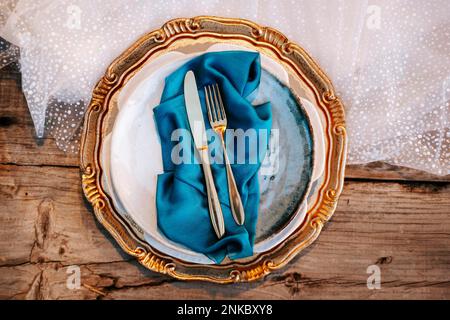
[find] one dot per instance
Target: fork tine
(208, 106)
(213, 107)
(216, 104)
(222, 109)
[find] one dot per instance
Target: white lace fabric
(389, 61)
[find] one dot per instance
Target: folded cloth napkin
(181, 199)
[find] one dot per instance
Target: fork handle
(215, 210)
(237, 209)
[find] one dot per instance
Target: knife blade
(194, 111)
(197, 126)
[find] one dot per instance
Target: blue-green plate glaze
(285, 179)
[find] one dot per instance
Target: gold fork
(218, 120)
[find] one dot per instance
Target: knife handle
(215, 210)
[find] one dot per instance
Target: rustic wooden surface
(396, 218)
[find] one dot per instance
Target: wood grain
(18, 141)
(401, 227)
(392, 217)
(387, 172)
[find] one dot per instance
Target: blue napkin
(181, 200)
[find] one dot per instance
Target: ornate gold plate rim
(258, 36)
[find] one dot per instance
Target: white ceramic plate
(131, 154)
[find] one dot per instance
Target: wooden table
(395, 218)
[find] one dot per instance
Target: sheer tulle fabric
(389, 61)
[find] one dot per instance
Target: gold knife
(197, 125)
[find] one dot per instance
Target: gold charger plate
(205, 29)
